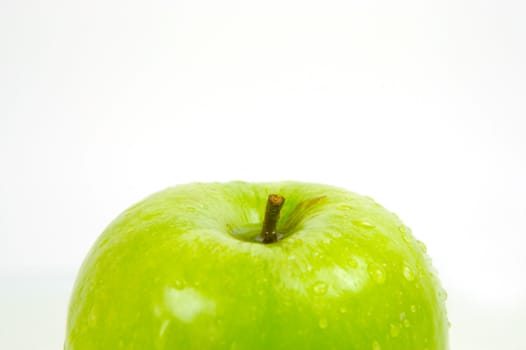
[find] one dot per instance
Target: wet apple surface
(189, 268)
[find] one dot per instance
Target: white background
(419, 104)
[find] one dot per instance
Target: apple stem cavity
(270, 223)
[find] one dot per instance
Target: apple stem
(274, 204)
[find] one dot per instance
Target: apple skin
(181, 270)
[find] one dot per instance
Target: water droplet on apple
(406, 233)
(408, 273)
(406, 323)
(92, 319)
(323, 323)
(413, 308)
(363, 224)
(376, 345)
(297, 242)
(320, 288)
(164, 326)
(377, 273)
(346, 207)
(353, 263)
(157, 310)
(291, 257)
(343, 310)
(442, 294)
(395, 330)
(318, 256)
(178, 284)
(234, 346)
(422, 246)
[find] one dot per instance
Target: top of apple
(244, 211)
(284, 265)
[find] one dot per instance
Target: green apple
(284, 265)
